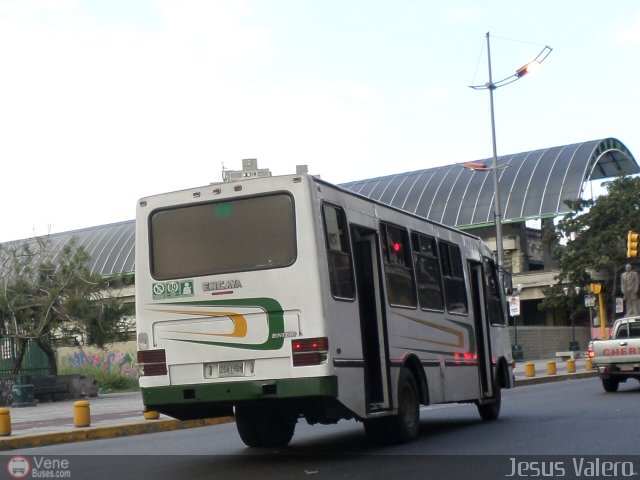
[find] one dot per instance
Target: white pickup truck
(618, 358)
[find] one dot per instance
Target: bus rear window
(229, 236)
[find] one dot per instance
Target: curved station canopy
(533, 185)
(111, 247)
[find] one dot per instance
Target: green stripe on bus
(240, 391)
(275, 320)
(470, 332)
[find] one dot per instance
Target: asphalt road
(574, 421)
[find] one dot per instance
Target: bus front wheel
(267, 426)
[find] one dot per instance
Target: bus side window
(401, 287)
(338, 252)
(494, 298)
(428, 276)
(455, 291)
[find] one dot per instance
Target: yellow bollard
(588, 365)
(530, 369)
(5, 422)
(151, 415)
(571, 366)
(551, 367)
(81, 414)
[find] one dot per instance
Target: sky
(105, 102)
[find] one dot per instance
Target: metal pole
(573, 345)
(516, 349)
(494, 165)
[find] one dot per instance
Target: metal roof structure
(112, 246)
(533, 185)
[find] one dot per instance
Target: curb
(520, 382)
(101, 433)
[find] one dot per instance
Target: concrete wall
(541, 343)
(118, 358)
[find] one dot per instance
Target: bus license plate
(231, 369)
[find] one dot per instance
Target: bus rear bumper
(217, 399)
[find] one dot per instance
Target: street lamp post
(497, 209)
(491, 86)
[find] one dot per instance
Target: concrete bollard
(551, 367)
(81, 414)
(588, 365)
(571, 366)
(151, 415)
(5, 422)
(530, 369)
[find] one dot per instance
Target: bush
(109, 381)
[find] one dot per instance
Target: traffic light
(632, 244)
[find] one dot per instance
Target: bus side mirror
(507, 283)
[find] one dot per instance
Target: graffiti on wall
(120, 362)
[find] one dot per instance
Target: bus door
(481, 301)
(368, 275)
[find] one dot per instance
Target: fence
(34, 363)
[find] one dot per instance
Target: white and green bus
(288, 298)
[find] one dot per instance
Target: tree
(595, 232)
(47, 293)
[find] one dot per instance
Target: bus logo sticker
(221, 285)
(174, 289)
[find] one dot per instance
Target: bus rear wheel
(266, 426)
(402, 427)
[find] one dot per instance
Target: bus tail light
(152, 362)
(309, 351)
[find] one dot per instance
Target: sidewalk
(120, 414)
(112, 415)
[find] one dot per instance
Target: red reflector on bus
(309, 351)
(152, 362)
(308, 358)
(465, 356)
